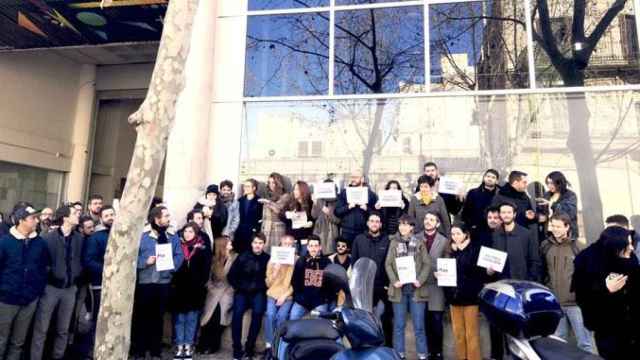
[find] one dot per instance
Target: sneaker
(179, 353)
(188, 352)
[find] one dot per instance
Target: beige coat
(219, 293)
(272, 227)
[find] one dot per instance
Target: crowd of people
(210, 271)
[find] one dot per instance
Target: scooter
(321, 336)
(528, 314)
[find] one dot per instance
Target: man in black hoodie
(247, 277)
(307, 281)
(477, 202)
(374, 244)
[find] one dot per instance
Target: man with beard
(374, 244)
(353, 217)
(93, 261)
(94, 207)
(478, 200)
(46, 221)
(86, 227)
(484, 237)
(233, 214)
(515, 192)
(342, 256)
(153, 285)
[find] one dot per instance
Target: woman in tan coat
(216, 315)
(272, 226)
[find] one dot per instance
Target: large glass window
(379, 50)
(42, 188)
(287, 55)
(285, 4)
(478, 45)
(601, 49)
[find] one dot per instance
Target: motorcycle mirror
(363, 274)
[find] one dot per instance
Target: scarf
(189, 248)
(161, 231)
(406, 247)
(426, 198)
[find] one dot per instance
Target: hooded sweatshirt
(307, 282)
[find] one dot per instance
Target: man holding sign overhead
(353, 207)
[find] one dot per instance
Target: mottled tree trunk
(153, 122)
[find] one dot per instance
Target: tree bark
(153, 122)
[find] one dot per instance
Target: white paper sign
(358, 195)
(324, 190)
(283, 255)
(299, 220)
(449, 185)
(390, 198)
(406, 269)
(164, 257)
(492, 259)
(447, 272)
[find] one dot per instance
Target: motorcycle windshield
(363, 274)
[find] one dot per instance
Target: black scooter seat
(552, 349)
(298, 330)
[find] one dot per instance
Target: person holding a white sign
(408, 265)
(353, 216)
(298, 220)
(327, 223)
(280, 291)
(452, 199)
(464, 297)
(392, 206)
(160, 255)
(521, 246)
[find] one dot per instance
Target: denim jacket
(147, 274)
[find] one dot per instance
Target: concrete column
(186, 163)
(77, 178)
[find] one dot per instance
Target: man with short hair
(233, 215)
(46, 221)
(94, 207)
(65, 248)
(93, 262)
(436, 245)
(478, 200)
(24, 260)
(453, 202)
(353, 217)
(492, 219)
(308, 294)
(515, 192)
(153, 285)
(78, 206)
(250, 210)
(521, 246)
(342, 255)
(374, 244)
(86, 226)
(247, 276)
(558, 252)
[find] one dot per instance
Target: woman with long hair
(189, 288)
(560, 199)
(272, 226)
(296, 211)
(216, 315)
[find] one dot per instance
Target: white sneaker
(179, 353)
(188, 352)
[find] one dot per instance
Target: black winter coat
(523, 260)
(189, 284)
(391, 217)
(602, 311)
(218, 218)
(470, 279)
(248, 273)
(374, 248)
(520, 199)
(250, 219)
(475, 207)
(353, 221)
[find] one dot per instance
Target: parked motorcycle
(321, 336)
(528, 314)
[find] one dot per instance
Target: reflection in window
(285, 4)
(478, 45)
(287, 55)
(41, 187)
(358, 2)
(379, 50)
(605, 53)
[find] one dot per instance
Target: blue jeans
(241, 303)
(298, 311)
(276, 316)
(185, 326)
(583, 336)
(417, 310)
